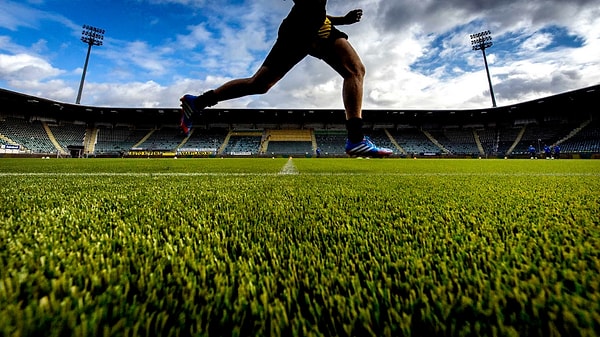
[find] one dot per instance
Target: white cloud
(417, 54)
(537, 42)
(15, 15)
(198, 34)
(135, 94)
(25, 67)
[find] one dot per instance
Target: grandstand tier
(37, 126)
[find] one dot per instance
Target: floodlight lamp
(481, 41)
(92, 36)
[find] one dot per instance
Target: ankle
(354, 127)
(207, 99)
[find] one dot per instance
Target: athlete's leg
(284, 55)
(263, 80)
(340, 55)
(345, 60)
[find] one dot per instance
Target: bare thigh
(343, 58)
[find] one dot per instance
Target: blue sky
(417, 52)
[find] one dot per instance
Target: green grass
(344, 247)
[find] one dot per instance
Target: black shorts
(289, 50)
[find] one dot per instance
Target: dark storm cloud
(436, 15)
(515, 89)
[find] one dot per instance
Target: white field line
(289, 168)
(285, 171)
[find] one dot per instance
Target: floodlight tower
(481, 41)
(93, 37)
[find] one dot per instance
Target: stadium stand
(288, 142)
(382, 139)
(31, 135)
(290, 148)
(331, 142)
(203, 141)
(67, 134)
(489, 139)
(507, 138)
(415, 142)
(540, 135)
(457, 141)
(117, 140)
(164, 139)
(35, 126)
(586, 140)
(241, 144)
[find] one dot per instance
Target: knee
(259, 87)
(357, 71)
(361, 70)
(262, 88)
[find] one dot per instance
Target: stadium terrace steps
(488, 138)
(456, 140)
(201, 139)
(163, 139)
(517, 140)
(574, 132)
(53, 139)
(117, 140)
(242, 145)
(435, 141)
(414, 141)
(89, 142)
(68, 134)
(224, 144)
(585, 140)
(138, 144)
(542, 135)
(313, 140)
(478, 142)
(237, 141)
(396, 145)
(186, 139)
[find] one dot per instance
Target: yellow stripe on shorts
(325, 29)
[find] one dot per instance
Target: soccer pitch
(299, 246)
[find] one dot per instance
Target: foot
(366, 148)
(188, 109)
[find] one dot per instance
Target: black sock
(354, 127)
(205, 100)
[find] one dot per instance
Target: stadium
(251, 232)
(482, 222)
(32, 126)
(257, 222)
